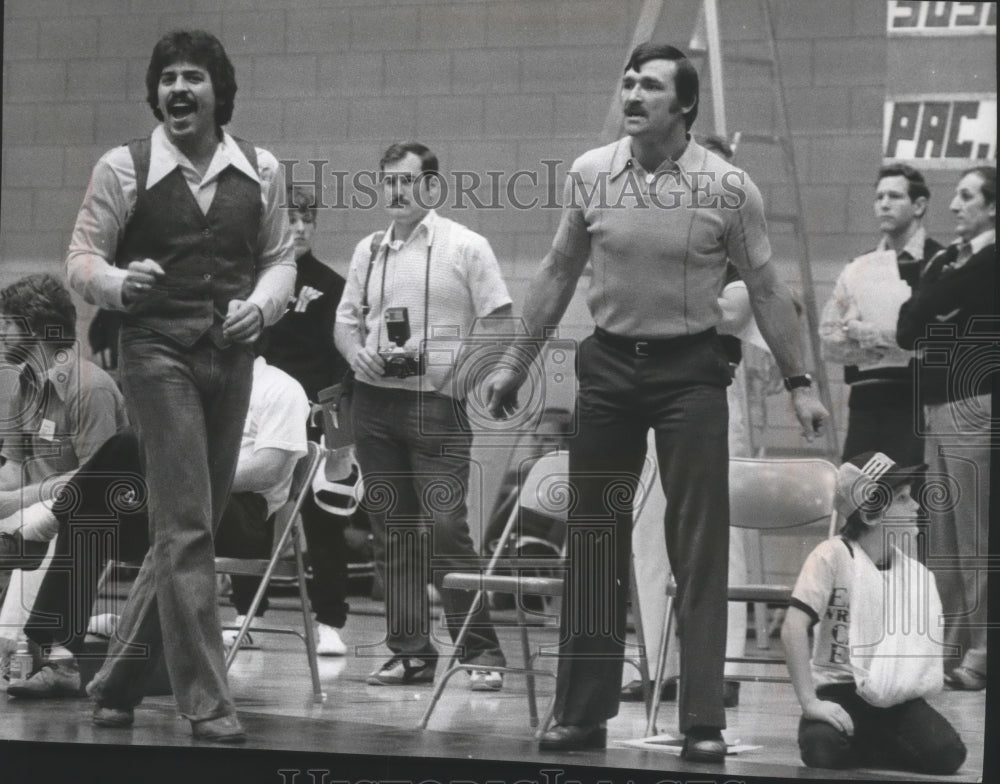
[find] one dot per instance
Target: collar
(164, 157)
(62, 372)
(622, 159)
(427, 224)
(980, 241)
(914, 246)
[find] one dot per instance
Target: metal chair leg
(640, 639)
(661, 666)
(526, 653)
(451, 668)
(310, 630)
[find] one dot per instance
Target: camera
(400, 363)
(547, 366)
(967, 362)
(23, 357)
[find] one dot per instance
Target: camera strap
(427, 290)
(372, 253)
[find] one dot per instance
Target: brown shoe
(225, 729)
(574, 737)
(704, 744)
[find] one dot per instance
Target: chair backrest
(771, 493)
(547, 490)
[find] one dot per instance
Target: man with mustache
(409, 414)
(184, 232)
(951, 321)
(656, 216)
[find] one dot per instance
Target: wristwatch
(798, 382)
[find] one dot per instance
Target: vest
(209, 259)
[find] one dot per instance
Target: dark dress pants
(413, 450)
(681, 395)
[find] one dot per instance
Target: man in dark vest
(185, 233)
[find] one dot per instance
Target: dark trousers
(681, 395)
(102, 515)
(413, 450)
(891, 429)
(910, 736)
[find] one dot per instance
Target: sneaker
(103, 625)
(481, 680)
(404, 670)
(329, 642)
(965, 679)
(55, 678)
(229, 635)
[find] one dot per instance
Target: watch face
(798, 382)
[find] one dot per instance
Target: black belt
(651, 347)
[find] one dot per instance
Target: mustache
(634, 110)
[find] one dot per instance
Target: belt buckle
(640, 348)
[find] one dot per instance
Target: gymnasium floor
(370, 733)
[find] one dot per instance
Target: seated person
(839, 727)
(273, 440)
(60, 409)
(56, 409)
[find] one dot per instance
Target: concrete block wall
(500, 85)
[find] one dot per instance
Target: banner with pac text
(941, 94)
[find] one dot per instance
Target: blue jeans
(188, 406)
(680, 393)
(413, 451)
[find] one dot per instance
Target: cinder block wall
(492, 86)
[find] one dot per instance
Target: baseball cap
(867, 482)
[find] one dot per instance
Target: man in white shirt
(409, 416)
(858, 325)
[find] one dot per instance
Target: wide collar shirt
(658, 241)
(111, 198)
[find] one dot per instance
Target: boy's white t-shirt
(823, 592)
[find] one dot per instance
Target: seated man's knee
(824, 746)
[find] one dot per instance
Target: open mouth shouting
(181, 107)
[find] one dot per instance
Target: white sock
(60, 652)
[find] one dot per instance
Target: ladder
(706, 43)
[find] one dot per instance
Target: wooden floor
(369, 733)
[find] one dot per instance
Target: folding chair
(544, 491)
(288, 523)
(764, 494)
